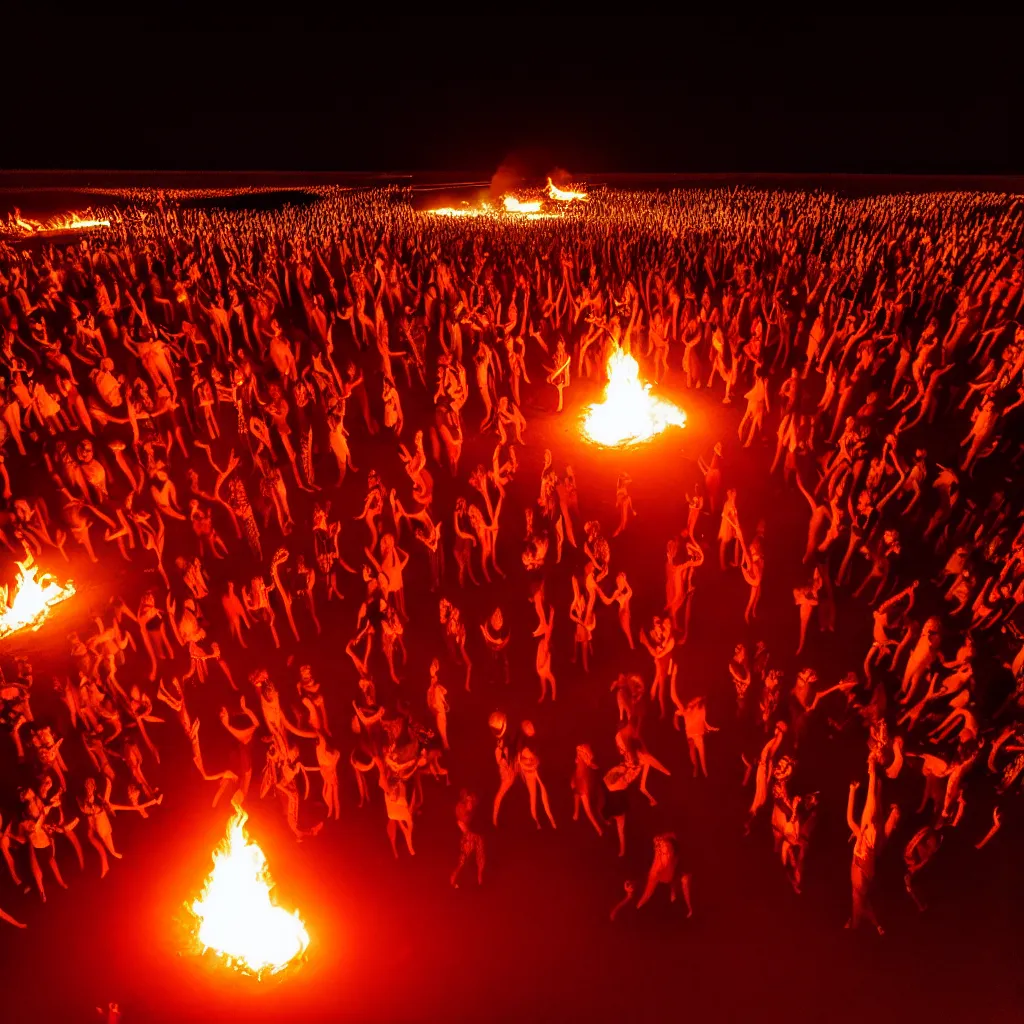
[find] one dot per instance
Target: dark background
(779, 94)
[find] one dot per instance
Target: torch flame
(629, 413)
(235, 915)
(33, 599)
(565, 196)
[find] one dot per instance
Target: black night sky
(906, 95)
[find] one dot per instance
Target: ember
(629, 414)
(33, 599)
(235, 915)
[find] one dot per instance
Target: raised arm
(850, 820)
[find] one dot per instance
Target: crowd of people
(197, 398)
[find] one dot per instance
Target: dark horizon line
(485, 176)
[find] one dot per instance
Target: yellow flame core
(564, 195)
(459, 211)
(629, 413)
(525, 209)
(235, 915)
(33, 599)
(65, 222)
(513, 205)
(74, 222)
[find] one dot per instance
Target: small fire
(565, 196)
(462, 211)
(629, 413)
(33, 599)
(235, 915)
(513, 205)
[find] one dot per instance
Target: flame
(513, 205)
(629, 413)
(33, 599)
(75, 223)
(235, 915)
(564, 196)
(66, 222)
(462, 211)
(527, 209)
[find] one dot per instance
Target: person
(740, 674)
(621, 596)
(806, 599)
(765, 769)
(660, 646)
(694, 715)
(581, 613)
(496, 637)
(623, 502)
(868, 840)
(97, 809)
(617, 781)
(665, 870)
(498, 725)
(437, 702)
(917, 854)
(528, 765)
(396, 805)
(471, 844)
(34, 833)
(728, 530)
(586, 787)
(545, 675)
(455, 635)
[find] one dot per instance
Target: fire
(565, 196)
(235, 915)
(513, 205)
(629, 413)
(527, 209)
(25, 226)
(75, 223)
(462, 211)
(33, 599)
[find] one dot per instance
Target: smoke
(527, 168)
(511, 175)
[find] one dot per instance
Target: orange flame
(565, 196)
(513, 205)
(528, 209)
(462, 211)
(33, 599)
(629, 414)
(235, 915)
(25, 226)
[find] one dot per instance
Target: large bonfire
(33, 598)
(629, 413)
(517, 208)
(236, 917)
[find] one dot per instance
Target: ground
(392, 941)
